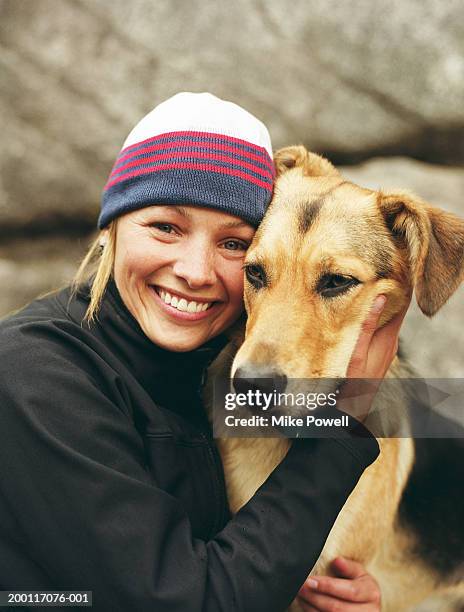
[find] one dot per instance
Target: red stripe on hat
(199, 155)
(265, 160)
(247, 143)
(193, 166)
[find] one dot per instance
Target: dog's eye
(255, 275)
(331, 285)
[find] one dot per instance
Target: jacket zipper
(217, 469)
(219, 485)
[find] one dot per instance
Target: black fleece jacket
(110, 480)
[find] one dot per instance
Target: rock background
(351, 79)
(372, 84)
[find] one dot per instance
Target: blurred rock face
(345, 79)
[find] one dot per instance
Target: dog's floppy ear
(435, 242)
(299, 157)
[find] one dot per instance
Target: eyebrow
(238, 223)
(182, 211)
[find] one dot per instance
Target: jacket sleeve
(73, 475)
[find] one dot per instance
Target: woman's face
(179, 271)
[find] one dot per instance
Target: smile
(180, 303)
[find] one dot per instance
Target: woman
(110, 479)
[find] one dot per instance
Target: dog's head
(325, 250)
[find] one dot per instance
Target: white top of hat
(201, 112)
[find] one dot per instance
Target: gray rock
(32, 267)
(350, 78)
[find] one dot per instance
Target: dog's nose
(255, 378)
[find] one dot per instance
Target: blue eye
(235, 245)
(163, 227)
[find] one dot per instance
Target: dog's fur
(320, 225)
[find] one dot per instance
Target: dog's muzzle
(259, 378)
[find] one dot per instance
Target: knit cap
(193, 149)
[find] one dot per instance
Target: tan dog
(325, 249)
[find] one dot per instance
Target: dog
(325, 249)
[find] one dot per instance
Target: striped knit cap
(193, 149)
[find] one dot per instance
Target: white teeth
(182, 304)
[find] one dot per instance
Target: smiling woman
(111, 480)
(179, 272)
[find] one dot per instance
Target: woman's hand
(376, 348)
(354, 590)
(372, 356)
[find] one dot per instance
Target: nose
(196, 266)
(259, 378)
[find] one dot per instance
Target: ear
(435, 242)
(299, 157)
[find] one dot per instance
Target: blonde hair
(97, 263)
